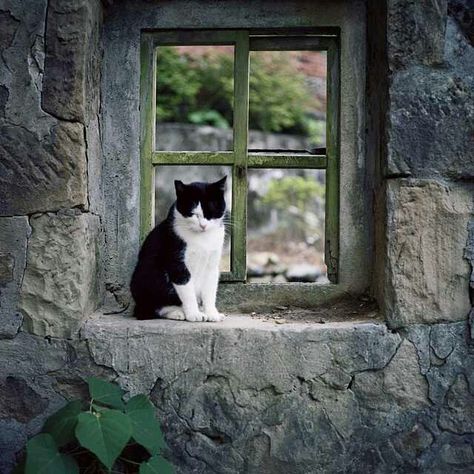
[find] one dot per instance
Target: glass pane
(194, 98)
(287, 100)
(165, 193)
(286, 212)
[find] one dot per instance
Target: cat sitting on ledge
(177, 273)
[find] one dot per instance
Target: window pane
(165, 194)
(286, 211)
(287, 100)
(194, 98)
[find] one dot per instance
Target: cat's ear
(220, 185)
(179, 187)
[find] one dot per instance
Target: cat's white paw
(214, 316)
(196, 316)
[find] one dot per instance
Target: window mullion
(239, 178)
(332, 171)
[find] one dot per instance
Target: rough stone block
(60, 286)
(431, 128)
(71, 58)
(42, 174)
(415, 32)
(14, 233)
(427, 276)
(239, 387)
(458, 414)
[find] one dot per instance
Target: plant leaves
(146, 430)
(139, 402)
(104, 434)
(61, 425)
(105, 392)
(156, 465)
(43, 457)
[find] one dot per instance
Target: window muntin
(240, 158)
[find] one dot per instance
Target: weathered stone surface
(43, 161)
(249, 396)
(19, 401)
(400, 384)
(14, 233)
(71, 58)
(415, 32)
(42, 174)
(21, 33)
(463, 12)
(27, 395)
(60, 286)
(431, 132)
(458, 414)
(469, 254)
(427, 278)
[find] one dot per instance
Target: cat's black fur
(161, 258)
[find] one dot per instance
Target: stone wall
(387, 395)
(50, 157)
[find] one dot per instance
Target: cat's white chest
(203, 252)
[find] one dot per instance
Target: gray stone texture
(415, 32)
(14, 232)
(252, 396)
(427, 276)
(43, 161)
(42, 173)
(60, 285)
(71, 59)
(432, 114)
(244, 395)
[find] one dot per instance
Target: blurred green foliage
(299, 201)
(298, 191)
(200, 90)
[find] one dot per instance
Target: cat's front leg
(209, 291)
(187, 295)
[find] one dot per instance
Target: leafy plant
(99, 435)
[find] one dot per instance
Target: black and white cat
(178, 264)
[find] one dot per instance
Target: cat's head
(201, 205)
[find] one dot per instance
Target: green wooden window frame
(240, 159)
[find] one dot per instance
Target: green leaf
(139, 402)
(145, 428)
(61, 425)
(105, 392)
(43, 457)
(105, 434)
(156, 465)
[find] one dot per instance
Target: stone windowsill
(119, 323)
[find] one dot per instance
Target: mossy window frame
(240, 159)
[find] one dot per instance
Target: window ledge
(277, 321)
(251, 352)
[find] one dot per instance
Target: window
(240, 160)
